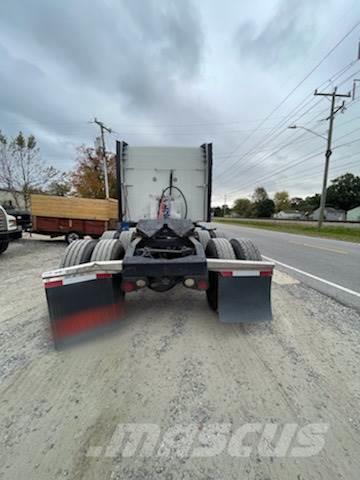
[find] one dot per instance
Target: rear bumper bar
(236, 267)
(86, 299)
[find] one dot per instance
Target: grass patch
(336, 232)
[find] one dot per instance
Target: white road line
(331, 284)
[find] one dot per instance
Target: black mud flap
(83, 307)
(244, 299)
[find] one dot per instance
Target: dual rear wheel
(222, 248)
(83, 251)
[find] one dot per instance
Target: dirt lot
(173, 364)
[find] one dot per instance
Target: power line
(288, 166)
(298, 85)
(296, 109)
(323, 111)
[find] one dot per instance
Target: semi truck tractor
(164, 237)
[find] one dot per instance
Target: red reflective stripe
(54, 283)
(266, 273)
(103, 275)
(226, 274)
(86, 320)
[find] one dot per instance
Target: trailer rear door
(146, 172)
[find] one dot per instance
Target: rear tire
(108, 250)
(110, 235)
(3, 246)
(203, 236)
(125, 238)
(220, 248)
(220, 234)
(79, 251)
(245, 249)
(217, 248)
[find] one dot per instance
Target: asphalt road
(332, 261)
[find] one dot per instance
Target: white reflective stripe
(79, 278)
(246, 273)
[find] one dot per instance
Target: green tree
(217, 212)
(265, 208)
(310, 203)
(243, 207)
(22, 171)
(282, 201)
(344, 192)
(260, 194)
(225, 210)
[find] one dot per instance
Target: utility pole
(224, 206)
(103, 154)
(333, 112)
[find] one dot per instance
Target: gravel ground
(173, 364)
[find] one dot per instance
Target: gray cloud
(137, 49)
(156, 70)
(284, 38)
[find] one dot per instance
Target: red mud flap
(244, 297)
(83, 306)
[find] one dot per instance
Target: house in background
(289, 215)
(7, 199)
(353, 215)
(330, 214)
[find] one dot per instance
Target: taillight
(202, 285)
(266, 273)
(128, 286)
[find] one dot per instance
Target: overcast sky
(185, 72)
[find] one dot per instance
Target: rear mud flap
(244, 299)
(85, 308)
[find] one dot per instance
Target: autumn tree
(22, 171)
(282, 201)
(88, 177)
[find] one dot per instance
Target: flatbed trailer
(164, 237)
(72, 216)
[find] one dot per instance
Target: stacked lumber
(73, 207)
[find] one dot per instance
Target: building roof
(355, 209)
(331, 209)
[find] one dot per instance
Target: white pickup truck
(8, 230)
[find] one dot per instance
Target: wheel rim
(72, 237)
